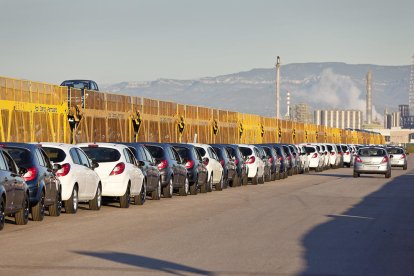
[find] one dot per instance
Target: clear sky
(132, 40)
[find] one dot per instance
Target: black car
(196, 169)
(44, 186)
(149, 169)
(235, 153)
(81, 84)
(227, 162)
(273, 161)
(14, 193)
(171, 167)
(291, 159)
(284, 162)
(296, 158)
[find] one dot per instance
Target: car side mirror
(94, 164)
(56, 167)
(22, 171)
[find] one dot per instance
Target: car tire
(183, 191)
(22, 216)
(405, 167)
(388, 174)
(71, 205)
(156, 195)
(235, 182)
(245, 179)
(96, 202)
(255, 179)
(220, 184)
(38, 211)
(290, 172)
(2, 215)
(140, 198)
(56, 208)
(125, 200)
(194, 187)
(167, 191)
(261, 180)
(210, 184)
(356, 174)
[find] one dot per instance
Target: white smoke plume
(333, 91)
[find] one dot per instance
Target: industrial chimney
(278, 87)
(369, 98)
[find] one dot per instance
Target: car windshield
(22, 157)
(76, 84)
(395, 151)
(55, 155)
(156, 152)
(246, 151)
(101, 154)
(371, 152)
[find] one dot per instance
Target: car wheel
(183, 191)
(388, 174)
(56, 208)
(261, 179)
(255, 179)
(22, 216)
(405, 167)
(156, 195)
(96, 202)
(219, 186)
(210, 184)
(2, 216)
(204, 188)
(290, 172)
(235, 182)
(142, 196)
(125, 200)
(71, 205)
(356, 174)
(167, 191)
(245, 179)
(194, 187)
(38, 211)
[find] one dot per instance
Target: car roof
(108, 145)
(58, 145)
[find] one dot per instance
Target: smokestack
(278, 87)
(288, 105)
(369, 98)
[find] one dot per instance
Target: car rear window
(21, 156)
(372, 152)
(184, 153)
(218, 152)
(395, 151)
(201, 151)
(310, 149)
(55, 155)
(267, 151)
(329, 147)
(246, 151)
(339, 148)
(102, 154)
(344, 148)
(156, 152)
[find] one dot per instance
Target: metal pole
(278, 88)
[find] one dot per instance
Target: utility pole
(278, 87)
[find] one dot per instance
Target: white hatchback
(315, 162)
(254, 163)
(80, 183)
(214, 168)
(118, 171)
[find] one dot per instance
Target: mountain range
(328, 85)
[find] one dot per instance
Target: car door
(88, 177)
(5, 179)
(217, 169)
(152, 171)
(17, 182)
(181, 170)
(133, 171)
(47, 175)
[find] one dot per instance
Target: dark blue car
(44, 187)
(240, 163)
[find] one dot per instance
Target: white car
(80, 183)
(347, 155)
(334, 158)
(214, 168)
(254, 163)
(324, 152)
(304, 158)
(119, 172)
(315, 161)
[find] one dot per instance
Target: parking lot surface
(320, 223)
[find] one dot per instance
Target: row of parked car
(36, 178)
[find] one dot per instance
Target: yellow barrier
(33, 111)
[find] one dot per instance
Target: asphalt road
(318, 224)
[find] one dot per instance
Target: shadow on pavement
(374, 237)
(146, 263)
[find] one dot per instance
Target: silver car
(372, 160)
(398, 157)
